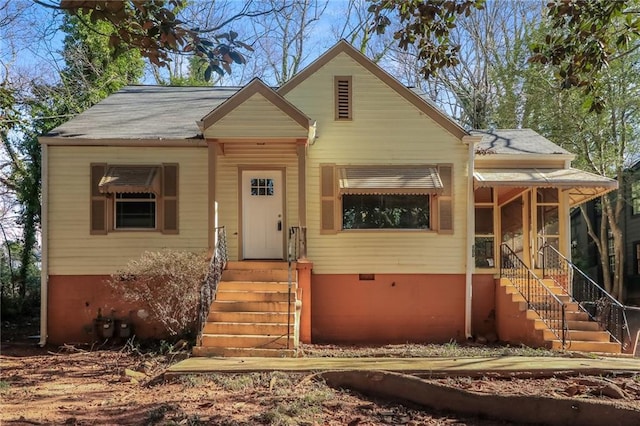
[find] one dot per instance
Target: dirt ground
(124, 385)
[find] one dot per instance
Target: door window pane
(262, 187)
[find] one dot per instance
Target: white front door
(262, 214)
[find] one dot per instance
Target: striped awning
(405, 180)
(582, 186)
(129, 179)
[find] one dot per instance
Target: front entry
(262, 214)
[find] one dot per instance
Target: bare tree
(486, 38)
(283, 39)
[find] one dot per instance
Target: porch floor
(456, 366)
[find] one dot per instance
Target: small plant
(166, 283)
(4, 386)
(235, 382)
(191, 381)
(157, 414)
(302, 408)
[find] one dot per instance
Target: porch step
(580, 335)
(253, 313)
(258, 271)
(582, 346)
(256, 286)
(253, 296)
(247, 341)
(244, 306)
(250, 317)
(248, 328)
(583, 334)
(583, 325)
(243, 352)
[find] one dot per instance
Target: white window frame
(116, 200)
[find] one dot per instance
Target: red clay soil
(85, 387)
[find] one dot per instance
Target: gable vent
(343, 98)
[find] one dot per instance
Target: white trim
(44, 245)
(469, 258)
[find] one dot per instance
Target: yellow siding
(256, 118)
(228, 192)
(73, 251)
(386, 129)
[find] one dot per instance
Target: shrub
(168, 284)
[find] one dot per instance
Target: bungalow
(403, 219)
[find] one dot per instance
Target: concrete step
(582, 346)
(258, 275)
(259, 264)
(256, 286)
(255, 296)
(243, 352)
(247, 341)
(248, 328)
(581, 335)
(250, 317)
(569, 316)
(244, 306)
(583, 325)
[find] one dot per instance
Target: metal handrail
(209, 287)
(603, 308)
(293, 247)
(538, 296)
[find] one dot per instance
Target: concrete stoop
(253, 314)
(583, 334)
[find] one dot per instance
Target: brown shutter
(327, 199)
(169, 198)
(445, 200)
(98, 206)
(343, 98)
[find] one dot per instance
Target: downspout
(469, 258)
(44, 243)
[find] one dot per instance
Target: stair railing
(592, 299)
(538, 296)
(209, 287)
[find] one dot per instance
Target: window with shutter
(445, 200)
(327, 199)
(343, 97)
(130, 198)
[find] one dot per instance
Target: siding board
(386, 129)
(73, 251)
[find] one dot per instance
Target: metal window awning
(582, 186)
(406, 180)
(129, 179)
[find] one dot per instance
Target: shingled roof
(516, 142)
(146, 112)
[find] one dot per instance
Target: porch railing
(538, 297)
(217, 264)
(296, 249)
(593, 299)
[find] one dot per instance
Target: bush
(168, 284)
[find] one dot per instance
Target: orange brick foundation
(390, 308)
(74, 302)
(396, 308)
